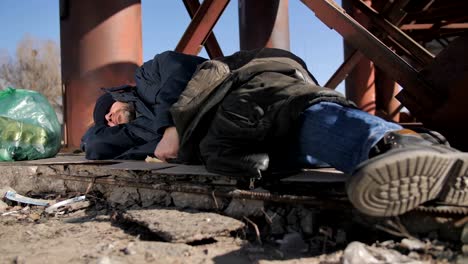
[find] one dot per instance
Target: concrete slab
(157, 184)
(139, 166)
(318, 175)
(60, 159)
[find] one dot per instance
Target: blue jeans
(339, 136)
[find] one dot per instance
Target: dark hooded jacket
(236, 111)
(159, 83)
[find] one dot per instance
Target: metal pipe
(100, 47)
(264, 23)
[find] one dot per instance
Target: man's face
(116, 115)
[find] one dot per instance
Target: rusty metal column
(386, 89)
(263, 23)
(100, 47)
(360, 84)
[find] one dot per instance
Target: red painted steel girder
(201, 26)
(431, 26)
(414, 48)
(417, 94)
(345, 68)
(211, 45)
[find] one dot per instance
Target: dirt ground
(93, 237)
(96, 231)
(81, 238)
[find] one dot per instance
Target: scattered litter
(358, 253)
(13, 196)
(11, 213)
(413, 244)
(51, 209)
(4, 190)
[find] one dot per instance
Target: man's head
(111, 112)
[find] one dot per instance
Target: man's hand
(168, 146)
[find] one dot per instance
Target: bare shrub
(35, 67)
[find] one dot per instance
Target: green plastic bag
(29, 128)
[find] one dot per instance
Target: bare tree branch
(36, 67)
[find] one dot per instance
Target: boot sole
(401, 180)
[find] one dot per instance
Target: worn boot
(406, 170)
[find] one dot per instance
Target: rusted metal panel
(264, 23)
(418, 93)
(449, 72)
(100, 47)
(395, 12)
(201, 26)
(211, 44)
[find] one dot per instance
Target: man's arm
(161, 81)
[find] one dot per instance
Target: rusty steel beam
(418, 95)
(264, 23)
(201, 26)
(407, 42)
(440, 13)
(393, 9)
(360, 83)
(430, 26)
(388, 106)
(211, 45)
(344, 69)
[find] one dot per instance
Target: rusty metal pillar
(263, 23)
(100, 47)
(360, 84)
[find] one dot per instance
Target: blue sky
(164, 22)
